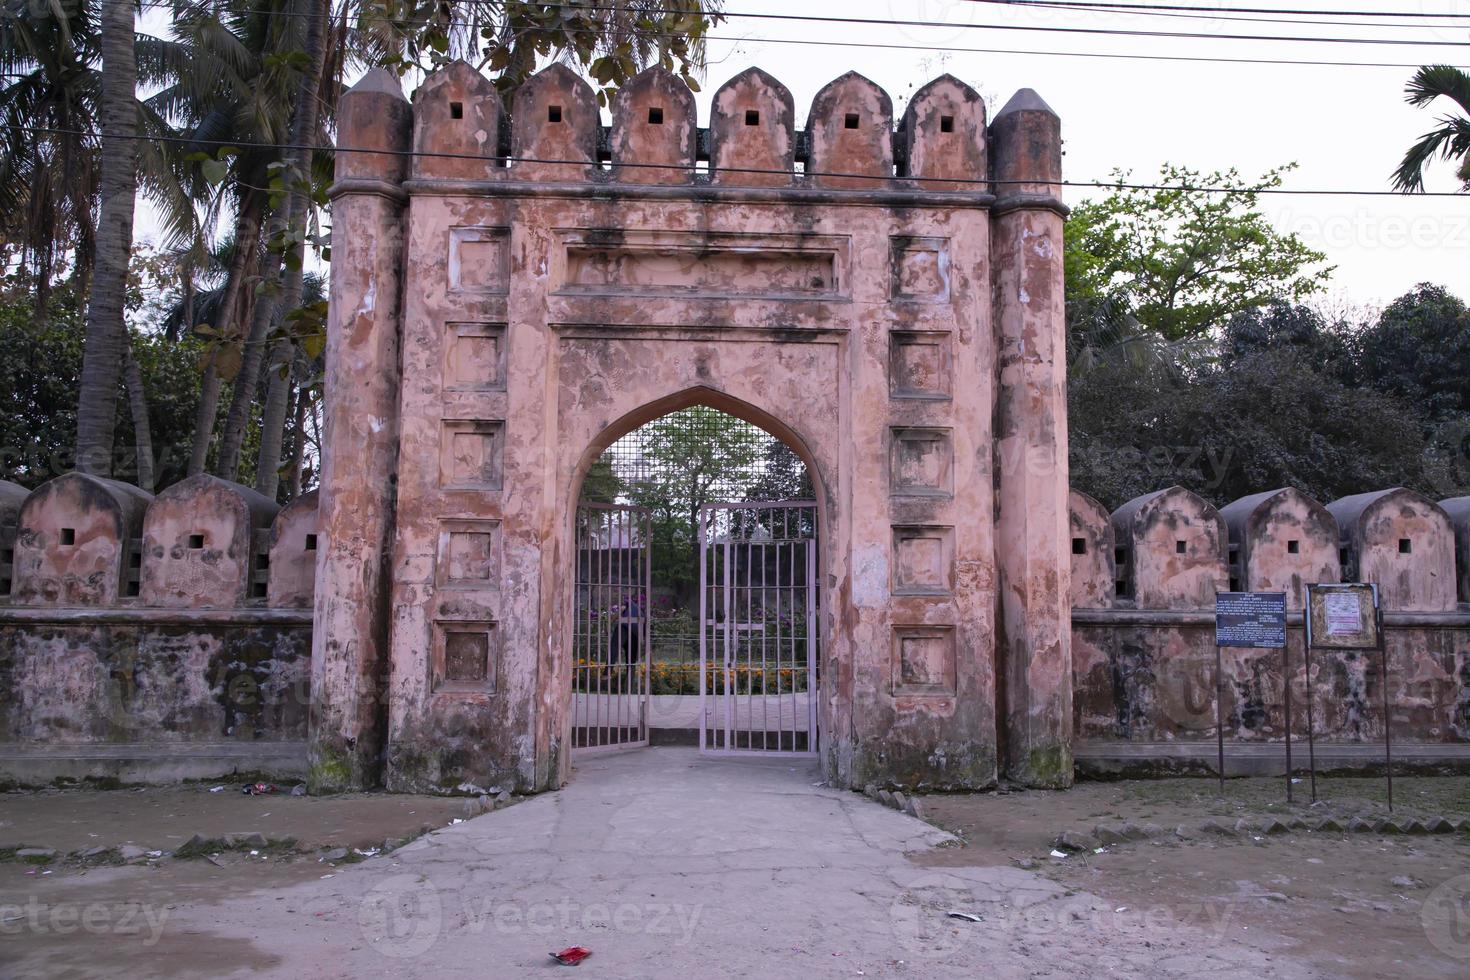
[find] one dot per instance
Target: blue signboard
(1250, 619)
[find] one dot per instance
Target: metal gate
(759, 628)
(610, 639)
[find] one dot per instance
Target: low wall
(1144, 700)
(150, 695)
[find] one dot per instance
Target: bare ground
(1351, 905)
(1299, 905)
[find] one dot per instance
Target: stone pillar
(1032, 557)
(349, 645)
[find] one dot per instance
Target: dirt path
(665, 864)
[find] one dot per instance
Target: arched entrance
(494, 329)
(696, 600)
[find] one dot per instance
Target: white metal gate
(759, 628)
(610, 639)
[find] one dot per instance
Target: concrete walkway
(667, 864)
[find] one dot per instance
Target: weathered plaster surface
(1093, 575)
(1175, 543)
(1404, 542)
(294, 538)
(199, 544)
(74, 541)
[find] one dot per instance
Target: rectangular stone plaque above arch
(921, 463)
(479, 260)
(474, 357)
(708, 265)
(919, 364)
(923, 560)
(471, 454)
(923, 661)
(920, 269)
(466, 657)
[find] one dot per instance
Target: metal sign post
(1246, 619)
(1347, 616)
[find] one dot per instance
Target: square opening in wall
(1342, 557)
(7, 556)
(456, 110)
(1079, 546)
(196, 541)
(1293, 547)
(132, 590)
(752, 117)
(68, 536)
(257, 591)
(311, 542)
(1120, 556)
(1405, 546)
(850, 121)
(655, 116)
(1180, 547)
(553, 113)
(946, 124)
(1234, 584)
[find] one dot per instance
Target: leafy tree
(1450, 140)
(1419, 350)
(1187, 259)
(1268, 418)
(1283, 325)
(39, 388)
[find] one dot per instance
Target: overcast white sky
(1346, 127)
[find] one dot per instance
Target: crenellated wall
(514, 287)
(863, 291)
(153, 638)
(1144, 661)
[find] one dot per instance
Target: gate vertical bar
(704, 613)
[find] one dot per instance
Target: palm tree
(106, 333)
(235, 83)
(1451, 140)
(48, 159)
(285, 272)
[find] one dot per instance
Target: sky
(1344, 127)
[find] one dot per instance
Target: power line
(1152, 7)
(950, 25)
(974, 181)
(952, 49)
(1222, 14)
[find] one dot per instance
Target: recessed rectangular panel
(921, 462)
(470, 454)
(923, 560)
(465, 657)
(474, 357)
(479, 260)
(920, 269)
(919, 365)
(704, 265)
(923, 660)
(469, 555)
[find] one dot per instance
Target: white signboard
(1343, 613)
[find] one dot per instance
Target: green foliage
(1187, 260)
(607, 42)
(1450, 140)
(1420, 350)
(1284, 398)
(39, 389)
(692, 456)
